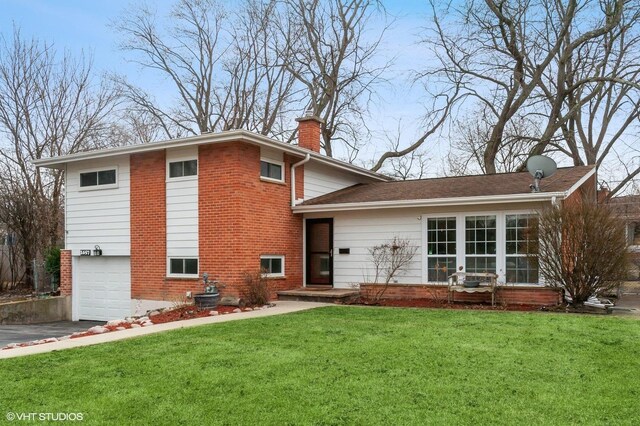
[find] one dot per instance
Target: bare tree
(50, 105)
(221, 65)
(547, 58)
(335, 61)
(389, 260)
(582, 248)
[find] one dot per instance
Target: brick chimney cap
(310, 118)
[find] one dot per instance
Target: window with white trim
(185, 168)
(441, 248)
(272, 170)
(272, 265)
(99, 178)
(520, 268)
(183, 266)
(480, 243)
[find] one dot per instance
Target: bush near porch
(348, 365)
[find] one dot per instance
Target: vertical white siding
(98, 216)
(320, 179)
(362, 230)
(182, 208)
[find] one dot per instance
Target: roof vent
(540, 166)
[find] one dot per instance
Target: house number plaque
(85, 252)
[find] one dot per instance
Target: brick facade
(240, 218)
(66, 282)
(528, 295)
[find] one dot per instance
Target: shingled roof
(500, 184)
(628, 206)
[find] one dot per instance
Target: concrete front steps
(319, 294)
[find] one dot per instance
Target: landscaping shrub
(257, 288)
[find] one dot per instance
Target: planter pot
(471, 284)
(207, 300)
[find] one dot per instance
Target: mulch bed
(188, 312)
(432, 303)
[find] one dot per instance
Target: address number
(85, 252)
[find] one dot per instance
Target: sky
(85, 26)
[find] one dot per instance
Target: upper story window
(183, 168)
(99, 179)
(272, 170)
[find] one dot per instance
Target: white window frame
(182, 160)
(426, 247)
(501, 265)
(98, 187)
(277, 163)
(281, 274)
(183, 258)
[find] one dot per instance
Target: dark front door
(319, 252)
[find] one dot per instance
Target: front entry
(319, 234)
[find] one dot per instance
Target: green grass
(348, 365)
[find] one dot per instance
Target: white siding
(320, 179)
(362, 230)
(182, 208)
(98, 216)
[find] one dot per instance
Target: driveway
(27, 333)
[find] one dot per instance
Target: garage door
(103, 288)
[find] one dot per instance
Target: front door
(319, 235)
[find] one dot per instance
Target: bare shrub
(257, 288)
(389, 259)
(582, 248)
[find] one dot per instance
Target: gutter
(293, 178)
(436, 202)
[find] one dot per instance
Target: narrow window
(271, 170)
(520, 268)
(98, 178)
(272, 266)
(183, 168)
(183, 266)
(441, 248)
(480, 244)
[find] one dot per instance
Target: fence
(43, 281)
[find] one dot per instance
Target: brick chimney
(309, 132)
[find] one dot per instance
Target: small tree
(582, 248)
(389, 259)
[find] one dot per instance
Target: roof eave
(209, 138)
(436, 202)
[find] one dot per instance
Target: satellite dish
(540, 166)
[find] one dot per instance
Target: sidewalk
(281, 307)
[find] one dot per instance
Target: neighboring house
(164, 213)
(628, 208)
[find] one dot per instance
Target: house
(627, 207)
(144, 222)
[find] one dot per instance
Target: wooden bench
(488, 284)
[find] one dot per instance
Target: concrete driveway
(27, 333)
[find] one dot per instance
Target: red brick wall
(148, 226)
(587, 191)
(242, 217)
(65, 273)
(510, 295)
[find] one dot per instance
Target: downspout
(293, 178)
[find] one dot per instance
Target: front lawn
(348, 365)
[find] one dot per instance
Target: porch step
(331, 295)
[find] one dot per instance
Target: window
(441, 248)
(480, 243)
(271, 170)
(183, 168)
(183, 266)
(633, 233)
(103, 178)
(519, 268)
(272, 266)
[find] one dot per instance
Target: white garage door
(103, 288)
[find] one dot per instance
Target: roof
(628, 206)
(503, 187)
(207, 138)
